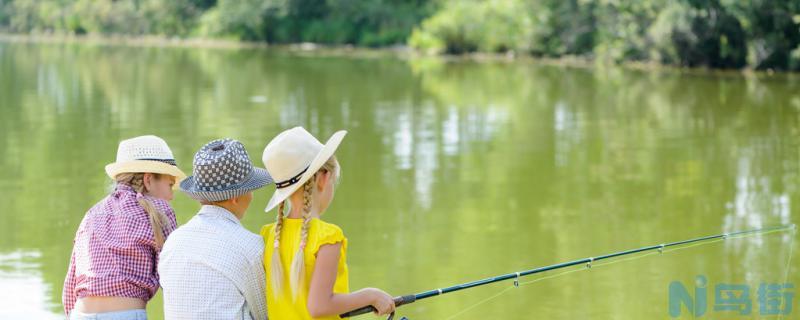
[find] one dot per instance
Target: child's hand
(382, 301)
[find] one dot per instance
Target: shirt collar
(218, 212)
(123, 187)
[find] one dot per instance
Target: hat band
(293, 180)
(167, 161)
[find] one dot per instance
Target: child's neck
(297, 213)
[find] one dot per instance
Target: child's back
(319, 233)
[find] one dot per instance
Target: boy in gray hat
(212, 267)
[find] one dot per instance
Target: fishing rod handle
(398, 301)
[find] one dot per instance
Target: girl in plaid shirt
(112, 271)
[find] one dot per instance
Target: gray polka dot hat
(222, 170)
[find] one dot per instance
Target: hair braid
(297, 270)
(276, 267)
(136, 181)
(298, 263)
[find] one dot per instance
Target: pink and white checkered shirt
(114, 252)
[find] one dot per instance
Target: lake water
(452, 170)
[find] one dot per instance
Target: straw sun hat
(293, 157)
(148, 154)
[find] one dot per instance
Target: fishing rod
(407, 299)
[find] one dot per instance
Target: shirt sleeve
(172, 222)
(329, 234)
(169, 213)
(255, 295)
(68, 294)
(168, 228)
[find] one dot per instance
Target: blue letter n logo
(678, 295)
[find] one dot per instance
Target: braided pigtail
(298, 263)
(136, 181)
(276, 281)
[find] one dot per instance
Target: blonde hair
(297, 271)
(157, 221)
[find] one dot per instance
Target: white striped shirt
(211, 268)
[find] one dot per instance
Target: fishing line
(591, 264)
(788, 265)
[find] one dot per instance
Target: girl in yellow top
(311, 250)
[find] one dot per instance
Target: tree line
(759, 34)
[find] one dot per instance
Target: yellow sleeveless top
(319, 233)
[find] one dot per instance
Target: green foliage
(365, 22)
(110, 17)
(23, 16)
(762, 34)
(362, 22)
(713, 33)
(563, 27)
(242, 19)
(4, 13)
(622, 28)
(794, 59)
(772, 28)
(175, 17)
(468, 26)
(698, 36)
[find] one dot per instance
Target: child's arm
(321, 299)
(68, 298)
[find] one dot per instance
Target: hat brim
(145, 166)
(258, 179)
(327, 151)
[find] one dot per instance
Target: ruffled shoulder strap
(328, 233)
(266, 230)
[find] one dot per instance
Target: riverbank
(400, 52)
(142, 41)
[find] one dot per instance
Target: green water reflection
(452, 171)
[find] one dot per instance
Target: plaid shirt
(114, 253)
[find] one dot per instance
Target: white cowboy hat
(145, 154)
(293, 157)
